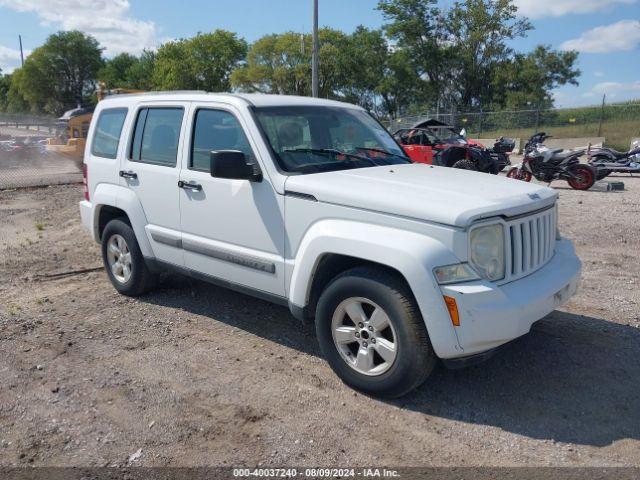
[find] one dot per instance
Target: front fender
(412, 254)
(107, 194)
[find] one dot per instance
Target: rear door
(151, 169)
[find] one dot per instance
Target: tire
(376, 290)
(519, 174)
(465, 165)
(583, 178)
(140, 279)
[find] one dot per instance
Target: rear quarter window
(106, 138)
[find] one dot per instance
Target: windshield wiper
(385, 152)
(332, 151)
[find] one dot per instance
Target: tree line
(424, 57)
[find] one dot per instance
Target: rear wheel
(372, 334)
(582, 177)
(465, 165)
(124, 261)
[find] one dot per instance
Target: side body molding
(412, 254)
(106, 194)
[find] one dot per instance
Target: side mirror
(232, 164)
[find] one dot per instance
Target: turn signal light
(452, 306)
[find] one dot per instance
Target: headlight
(487, 251)
(458, 273)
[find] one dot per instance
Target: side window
(216, 130)
(155, 139)
(107, 135)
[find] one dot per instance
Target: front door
(231, 229)
(151, 169)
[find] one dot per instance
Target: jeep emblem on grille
(534, 196)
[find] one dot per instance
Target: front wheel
(372, 333)
(519, 174)
(582, 177)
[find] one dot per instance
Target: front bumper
(492, 315)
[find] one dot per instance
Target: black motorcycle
(547, 165)
(607, 161)
(501, 150)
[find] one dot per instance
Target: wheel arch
(331, 247)
(113, 201)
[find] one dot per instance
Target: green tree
(115, 73)
(5, 84)
(365, 61)
(61, 73)
(16, 102)
(529, 79)
(419, 28)
(281, 64)
(479, 32)
(204, 62)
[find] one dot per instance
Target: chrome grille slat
(531, 242)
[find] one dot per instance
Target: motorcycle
(547, 165)
(501, 150)
(606, 161)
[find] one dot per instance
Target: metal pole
(21, 54)
(604, 97)
(316, 48)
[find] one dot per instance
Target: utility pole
(604, 98)
(21, 54)
(316, 48)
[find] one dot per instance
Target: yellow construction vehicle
(73, 126)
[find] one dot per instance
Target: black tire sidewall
(137, 283)
(585, 168)
(411, 358)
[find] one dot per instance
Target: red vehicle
(425, 139)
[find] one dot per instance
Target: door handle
(129, 174)
(195, 187)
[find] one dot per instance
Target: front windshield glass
(312, 139)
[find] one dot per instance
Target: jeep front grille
(530, 243)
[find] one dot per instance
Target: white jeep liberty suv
(312, 204)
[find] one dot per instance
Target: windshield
(312, 139)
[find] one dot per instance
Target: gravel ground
(194, 375)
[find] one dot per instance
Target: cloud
(108, 21)
(617, 89)
(558, 8)
(622, 36)
(9, 59)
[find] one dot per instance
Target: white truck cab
(312, 204)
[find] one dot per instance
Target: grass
(39, 226)
(14, 310)
(617, 133)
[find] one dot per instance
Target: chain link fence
(619, 124)
(27, 159)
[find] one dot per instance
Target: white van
(312, 204)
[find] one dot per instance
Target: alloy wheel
(364, 335)
(119, 258)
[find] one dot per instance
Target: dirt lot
(197, 375)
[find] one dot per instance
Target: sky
(605, 32)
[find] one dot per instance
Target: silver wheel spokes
(364, 336)
(119, 258)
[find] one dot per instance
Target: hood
(435, 194)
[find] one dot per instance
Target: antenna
(21, 54)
